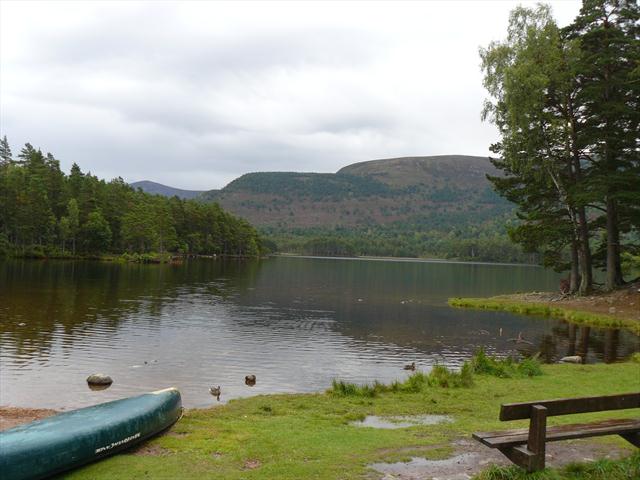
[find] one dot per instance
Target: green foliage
(439, 376)
(630, 264)
(435, 238)
(43, 212)
(482, 364)
(566, 104)
(96, 233)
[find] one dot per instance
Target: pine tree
(5, 152)
(608, 32)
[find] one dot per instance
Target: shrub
(484, 364)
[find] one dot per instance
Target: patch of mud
(391, 423)
(252, 464)
(13, 416)
(472, 457)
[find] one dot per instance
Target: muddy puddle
(374, 421)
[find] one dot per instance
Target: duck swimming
(411, 366)
(215, 391)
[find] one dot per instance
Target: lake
(295, 323)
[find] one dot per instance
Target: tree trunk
(586, 269)
(613, 278)
(574, 275)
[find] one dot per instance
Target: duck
(410, 366)
(215, 391)
(520, 339)
(250, 380)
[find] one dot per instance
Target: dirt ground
(623, 303)
(472, 457)
(13, 416)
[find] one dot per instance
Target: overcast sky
(195, 94)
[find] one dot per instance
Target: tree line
(566, 102)
(44, 213)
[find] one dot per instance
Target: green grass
(533, 308)
(482, 364)
(439, 376)
(311, 436)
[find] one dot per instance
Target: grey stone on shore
(572, 359)
(99, 379)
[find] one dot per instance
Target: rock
(612, 309)
(572, 359)
(99, 379)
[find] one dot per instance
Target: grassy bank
(507, 304)
(311, 435)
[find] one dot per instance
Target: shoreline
(318, 435)
(617, 309)
(404, 259)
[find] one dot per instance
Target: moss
(535, 308)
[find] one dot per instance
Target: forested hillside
(160, 189)
(440, 206)
(44, 212)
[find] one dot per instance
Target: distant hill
(433, 192)
(441, 206)
(159, 189)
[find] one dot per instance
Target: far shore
(617, 309)
(402, 259)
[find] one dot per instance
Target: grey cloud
(139, 91)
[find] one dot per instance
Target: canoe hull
(65, 441)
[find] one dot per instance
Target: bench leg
(532, 456)
(632, 438)
(537, 437)
(521, 456)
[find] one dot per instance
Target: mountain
(159, 189)
(433, 192)
(441, 206)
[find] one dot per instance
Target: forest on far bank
(47, 213)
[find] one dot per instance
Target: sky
(195, 94)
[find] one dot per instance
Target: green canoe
(68, 440)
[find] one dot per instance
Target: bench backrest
(568, 406)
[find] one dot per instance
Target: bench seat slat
(508, 438)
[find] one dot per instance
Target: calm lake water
(296, 323)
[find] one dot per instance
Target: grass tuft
(439, 376)
(483, 364)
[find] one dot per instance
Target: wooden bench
(526, 448)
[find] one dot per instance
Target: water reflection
(294, 323)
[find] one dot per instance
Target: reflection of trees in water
(435, 329)
(70, 300)
(608, 345)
